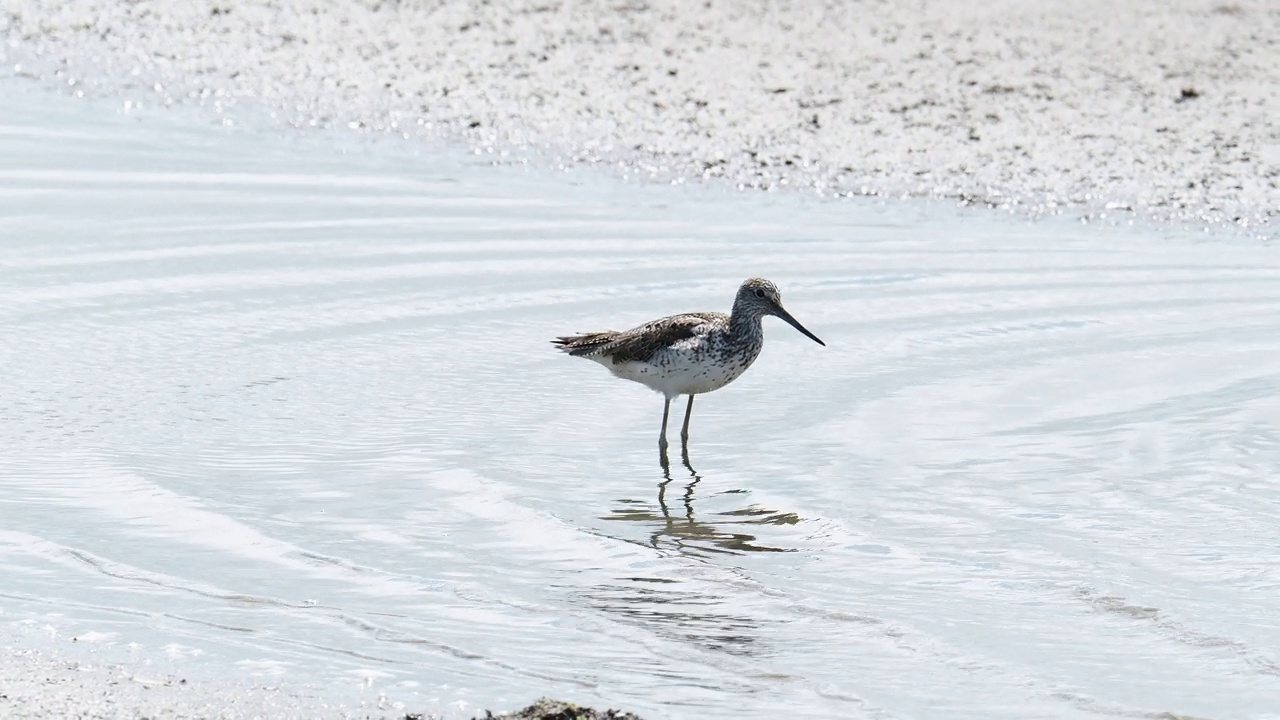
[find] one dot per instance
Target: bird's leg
(666, 411)
(684, 437)
(662, 441)
(684, 431)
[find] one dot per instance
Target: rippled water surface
(292, 413)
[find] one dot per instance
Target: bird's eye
(759, 293)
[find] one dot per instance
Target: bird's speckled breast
(698, 365)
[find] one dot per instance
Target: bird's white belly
(679, 378)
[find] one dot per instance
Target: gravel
(37, 684)
(1161, 110)
(41, 684)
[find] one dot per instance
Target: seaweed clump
(547, 709)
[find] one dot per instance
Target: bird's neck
(744, 323)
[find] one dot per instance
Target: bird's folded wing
(642, 343)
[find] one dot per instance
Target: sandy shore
(45, 683)
(1109, 111)
(49, 682)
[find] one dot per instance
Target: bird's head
(759, 297)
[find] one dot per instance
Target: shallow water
(287, 412)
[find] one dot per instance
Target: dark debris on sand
(546, 709)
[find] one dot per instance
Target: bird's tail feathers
(586, 343)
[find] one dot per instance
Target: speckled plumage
(687, 354)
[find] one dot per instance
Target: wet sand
(1099, 110)
(47, 683)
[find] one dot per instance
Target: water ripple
(298, 410)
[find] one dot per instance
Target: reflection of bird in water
(690, 523)
(692, 534)
(687, 354)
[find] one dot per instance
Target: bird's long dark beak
(777, 310)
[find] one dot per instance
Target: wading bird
(687, 354)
